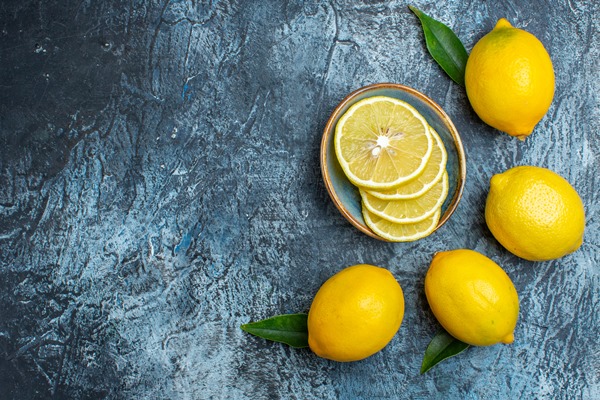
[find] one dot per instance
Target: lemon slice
(401, 232)
(410, 210)
(431, 175)
(382, 142)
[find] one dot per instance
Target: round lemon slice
(431, 175)
(382, 142)
(410, 210)
(401, 232)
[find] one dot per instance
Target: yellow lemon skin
(510, 80)
(472, 297)
(355, 313)
(535, 213)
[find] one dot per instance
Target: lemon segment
(382, 142)
(432, 174)
(401, 232)
(409, 210)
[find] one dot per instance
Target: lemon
(472, 297)
(409, 210)
(510, 80)
(381, 142)
(432, 174)
(355, 313)
(535, 213)
(401, 232)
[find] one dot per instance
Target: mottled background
(160, 186)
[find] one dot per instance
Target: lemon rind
(431, 211)
(434, 218)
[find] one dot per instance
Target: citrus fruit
(535, 213)
(381, 142)
(472, 297)
(355, 313)
(401, 232)
(408, 210)
(510, 80)
(432, 174)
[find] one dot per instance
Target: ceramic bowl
(345, 195)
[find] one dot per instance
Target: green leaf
(442, 346)
(444, 46)
(290, 329)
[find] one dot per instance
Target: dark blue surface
(160, 186)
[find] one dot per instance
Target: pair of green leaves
(292, 329)
(449, 52)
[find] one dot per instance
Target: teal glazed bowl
(346, 196)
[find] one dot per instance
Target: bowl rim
(330, 128)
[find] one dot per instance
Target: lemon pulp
(381, 142)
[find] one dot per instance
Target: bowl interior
(346, 196)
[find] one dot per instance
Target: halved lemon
(432, 174)
(409, 210)
(401, 232)
(382, 142)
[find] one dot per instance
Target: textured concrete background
(160, 186)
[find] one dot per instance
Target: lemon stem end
(503, 23)
(508, 339)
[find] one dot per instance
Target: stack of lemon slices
(398, 162)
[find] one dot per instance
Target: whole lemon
(535, 213)
(355, 313)
(510, 80)
(472, 297)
